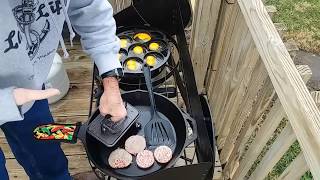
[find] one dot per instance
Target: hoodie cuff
(106, 62)
(9, 111)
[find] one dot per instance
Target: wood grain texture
(224, 27)
(77, 163)
(316, 97)
(272, 121)
(273, 118)
(221, 81)
(75, 107)
(246, 108)
(235, 78)
(274, 154)
(296, 169)
(203, 31)
(78, 91)
(297, 102)
(258, 98)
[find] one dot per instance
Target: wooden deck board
(72, 108)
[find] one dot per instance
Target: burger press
(108, 132)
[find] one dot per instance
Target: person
(30, 33)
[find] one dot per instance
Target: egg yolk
(138, 50)
(123, 43)
(154, 46)
(151, 60)
(132, 65)
(143, 36)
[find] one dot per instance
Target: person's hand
(111, 101)
(23, 96)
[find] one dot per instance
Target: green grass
(285, 161)
(302, 18)
(307, 176)
(267, 147)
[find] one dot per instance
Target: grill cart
(143, 27)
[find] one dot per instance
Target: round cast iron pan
(98, 153)
(156, 36)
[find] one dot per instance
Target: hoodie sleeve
(9, 111)
(93, 21)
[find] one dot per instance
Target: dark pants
(40, 160)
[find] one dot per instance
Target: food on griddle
(138, 50)
(163, 154)
(142, 37)
(119, 159)
(135, 144)
(123, 43)
(151, 60)
(145, 159)
(154, 46)
(133, 65)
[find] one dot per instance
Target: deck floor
(72, 108)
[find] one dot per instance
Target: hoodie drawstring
(71, 32)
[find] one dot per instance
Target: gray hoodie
(30, 32)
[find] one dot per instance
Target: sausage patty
(163, 154)
(135, 144)
(145, 159)
(119, 158)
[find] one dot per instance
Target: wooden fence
(262, 109)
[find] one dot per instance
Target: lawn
(302, 18)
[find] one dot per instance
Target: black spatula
(159, 131)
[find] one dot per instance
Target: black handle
(190, 138)
(107, 125)
(147, 76)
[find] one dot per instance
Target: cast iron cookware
(164, 67)
(129, 37)
(98, 152)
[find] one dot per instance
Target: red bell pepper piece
(56, 128)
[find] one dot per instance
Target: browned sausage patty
(135, 144)
(145, 159)
(119, 158)
(163, 154)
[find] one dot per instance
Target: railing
(262, 108)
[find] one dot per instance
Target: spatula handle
(147, 76)
(57, 132)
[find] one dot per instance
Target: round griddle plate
(133, 170)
